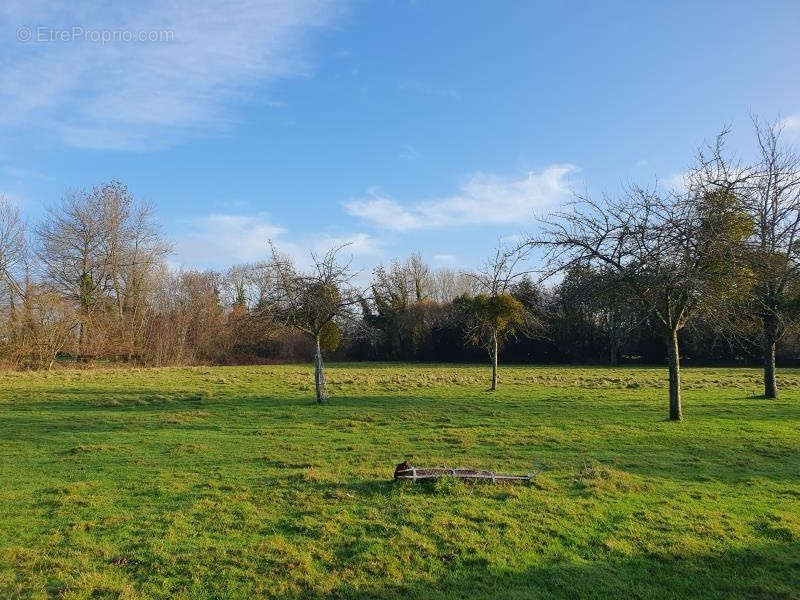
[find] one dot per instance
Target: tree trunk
(613, 358)
(675, 409)
(613, 342)
(770, 335)
(494, 363)
(319, 375)
(82, 327)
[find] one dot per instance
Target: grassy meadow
(232, 483)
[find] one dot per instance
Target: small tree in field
(492, 320)
(314, 303)
(494, 314)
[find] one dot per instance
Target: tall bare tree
(101, 249)
(675, 255)
(13, 251)
(420, 277)
(12, 240)
(449, 284)
(13, 270)
(770, 192)
(404, 282)
(70, 248)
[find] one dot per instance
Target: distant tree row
(707, 273)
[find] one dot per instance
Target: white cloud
(426, 89)
(224, 239)
(792, 122)
(678, 182)
(483, 200)
(445, 259)
(141, 95)
(23, 174)
(357, 244)
(408, 152)
(383, 211)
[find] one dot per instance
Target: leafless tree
(675, 255)
(501, 269)
(770, 193)
(47, 326)
(70, 241)
(100, 249)
(420, 277)
(314, 301)
(404, 283)
(236, 287)
(12, 242)
(143, 255)
(449, 284)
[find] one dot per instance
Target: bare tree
(403, 283)
(420, 277)
(674, 255)
(70, 241)
(449, 284)
(143, 255)
(13, 270)
(47, 325)
(12, 242)
(100, 249)
(312, 302)
(236, 284)
(770, 193)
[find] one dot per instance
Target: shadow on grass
(662, 450)
(766, 572)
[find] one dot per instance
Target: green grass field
(232, 483)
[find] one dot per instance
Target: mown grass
(232, 483)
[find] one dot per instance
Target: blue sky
(398, 126)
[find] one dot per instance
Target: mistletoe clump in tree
(769, 192)
(495, 315)
(674, 255)
(494, 319)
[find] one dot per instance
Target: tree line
(707, 273)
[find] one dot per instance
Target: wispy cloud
(445, 259)
(408, 152)
(678, 182)
(221, 239)
(791, 123)
(357, 244)
(427, 89)
(224, 239)
(483, 200)
(146, 94)
(23, 174)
